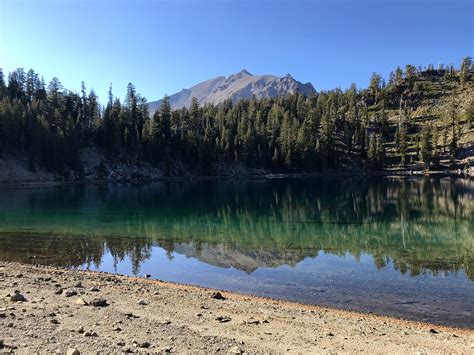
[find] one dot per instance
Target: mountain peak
(243, 72)
(241, 85)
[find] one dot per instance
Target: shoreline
(240, 177)
(184, 318)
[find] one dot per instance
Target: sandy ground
(64, 310)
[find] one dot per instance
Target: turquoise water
(399, 247)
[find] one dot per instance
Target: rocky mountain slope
(236, 86)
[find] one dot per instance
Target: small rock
(144, 345)
(58, 291)
(235, 350)
(142, 303)
(147, 276)
(72, 351)
(217, 296)
(131, 315)
(81, 302)
(330, 334)
(99, 302)
(433, 331)
(168, 349)
(80, 330)
(223, 319)
(78, 285)
(90, 333)
(117, 329)
(94, 289)
(17, 297)
(54, 321)
(69, 293)
(121, 343)
(253, 321)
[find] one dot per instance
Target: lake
(402, 247)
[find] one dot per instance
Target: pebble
(217, 296)
(78, 285)
(94, 289)
(144, 345)
(70, 293)
(99, 302)
(81, 302)
(72, 351)
(223, 319)
(235, 350)
(90, 333)
(253, 321)
(17, 297)
(54, 321)
(142, 303)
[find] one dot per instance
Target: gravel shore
(80, 312)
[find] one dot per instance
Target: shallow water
(398, 247)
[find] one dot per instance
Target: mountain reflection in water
(408, 226)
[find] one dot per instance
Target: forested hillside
(418, 118)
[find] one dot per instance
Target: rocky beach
(52, 310)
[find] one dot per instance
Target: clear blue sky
(164, 46)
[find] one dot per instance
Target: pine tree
(470, 114)
(465, 72)
(402, 145)
(453, 146)
(380, 151)
(426, 145)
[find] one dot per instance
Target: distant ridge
(236, 86)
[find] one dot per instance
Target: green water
(401, 247)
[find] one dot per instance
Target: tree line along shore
(418, 119)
